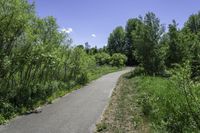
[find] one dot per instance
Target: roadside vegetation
(38, 62)
(162, 93)
(169, 104)
(123, 115)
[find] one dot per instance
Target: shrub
(172, 105)
(36, 60)
(102, 58)
(118, 60)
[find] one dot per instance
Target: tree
(93, 50)
(14, 18)
(175, 52)
(34, 58)
(148, 49)
(102, 58)
(116, 41)
(80, 46)
(129, 48)
(193, 23)
(87, 47)
(104, 49)
(191, 33)
(118, 60)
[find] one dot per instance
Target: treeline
(145, 42)
(168, 74)
(37, 60)
(103, 57)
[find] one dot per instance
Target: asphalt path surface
(76, 112)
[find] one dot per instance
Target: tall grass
(170, 104)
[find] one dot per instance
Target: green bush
(118, 60)
(171, 105)
(36, 60)
(102, 58)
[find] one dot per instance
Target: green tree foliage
(175, 53)
(173, 104)
(116, 41)
(146, 43)
(118, 60)
(104, 49)
(131, 27)
(189, 92)
(193, 23)
(80, 46)
(94, 50)
(102, 58)
(148, 49)
(195, 57)
(14, 19)
(36, 59)
(80, 65)
(191, 32)
(170, 104)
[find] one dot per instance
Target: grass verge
(123, 114)
(150, 104)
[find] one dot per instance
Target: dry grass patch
(123, 114)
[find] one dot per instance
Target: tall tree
(129, 48)
(14, 18)
(191, 32)
(116, 41)
(193, 23)
(148, 49)
(175, 52)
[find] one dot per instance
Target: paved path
(75, 113)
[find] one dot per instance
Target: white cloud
(93, 35)
(67, 30)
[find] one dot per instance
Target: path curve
(76, 112)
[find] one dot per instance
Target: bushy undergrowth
(102, 58)
(117, 59)
(37, 62)
(171, 104)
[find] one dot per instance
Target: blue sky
(93, 20)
